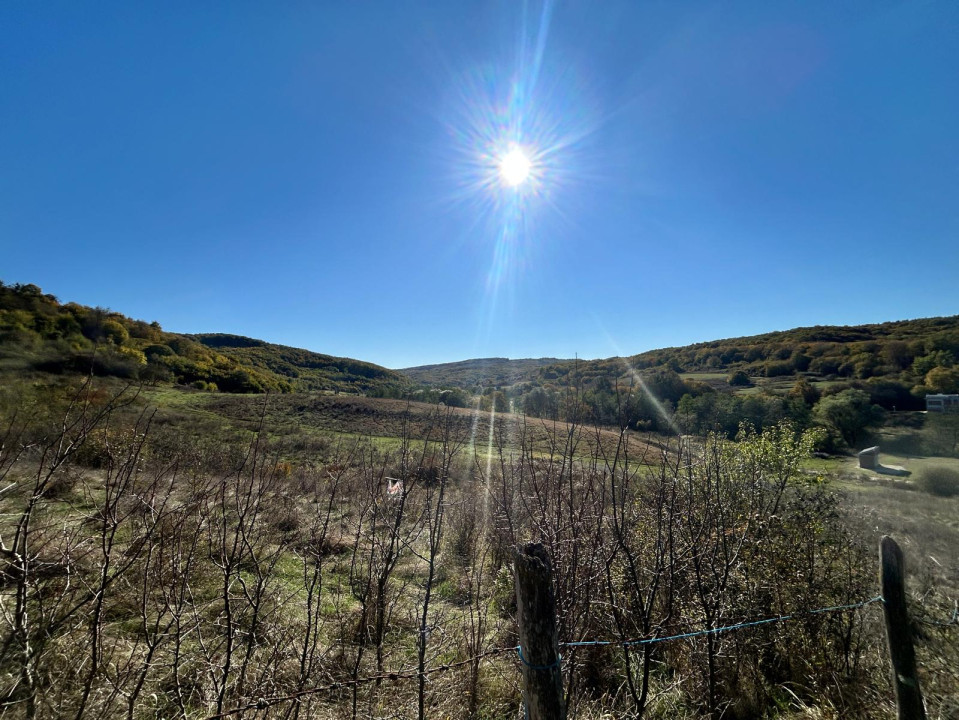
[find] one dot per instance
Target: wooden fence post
(538, 637)
(898, 632)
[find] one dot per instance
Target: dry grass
(927, 529)
(386, 419)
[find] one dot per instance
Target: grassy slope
(927, 529)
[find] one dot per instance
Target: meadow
(173, 553)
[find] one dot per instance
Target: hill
(39, 334)
(851, 351)
(904, 350)
(894, 363)
(483, 371)
(305, 370)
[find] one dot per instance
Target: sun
(514, 166)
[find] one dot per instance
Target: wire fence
(954, 620)
(267, 702)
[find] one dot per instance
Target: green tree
(778, 369)
(893, 395)
(897, 355)
(804, 390)
(739, 379)
(496, 400)
(114, 332)
(848, 412)
(539, 403)
(67, 326)
(455, 397)
(800, 360)
(940, 358)
(943, 380)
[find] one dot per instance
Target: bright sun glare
(514, 166)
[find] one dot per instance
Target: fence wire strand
(954, 620)
(270, 701)
(727, 628)
(266, 702)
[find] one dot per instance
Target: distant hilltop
(904, 350)
(898, 362)
(40, 334)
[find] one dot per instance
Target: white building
(942, 403)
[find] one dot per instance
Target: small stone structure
(869, 458)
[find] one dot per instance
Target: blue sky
(325, 175)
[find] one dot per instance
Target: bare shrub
(939, 480)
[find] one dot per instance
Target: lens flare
(520, 129)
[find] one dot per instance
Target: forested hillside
(905, 349)
(306, 370)
(841, 378)
(38, 333)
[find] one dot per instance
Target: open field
(380, 419)
(779, 385)
(927, 529)
(230, 548)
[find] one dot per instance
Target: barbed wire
(269, 701)
(954, 620)
(727, 628)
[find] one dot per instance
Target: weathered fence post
(538, 637)
(898, 632)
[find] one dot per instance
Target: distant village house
(942, 403)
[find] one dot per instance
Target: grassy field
(778, 385)
(927, 529)
(296, 548)
(301, 417)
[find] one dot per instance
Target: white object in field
(394, 488)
